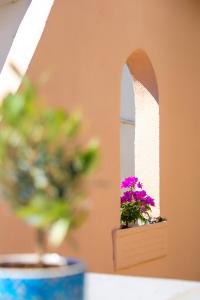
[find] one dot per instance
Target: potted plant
(136, 205)
(141, 238)
(42, 171)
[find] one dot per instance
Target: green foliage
(42, 164)
(131, 213)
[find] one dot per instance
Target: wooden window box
(140, 244)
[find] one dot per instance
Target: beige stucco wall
(84, 48)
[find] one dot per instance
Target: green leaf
(58, 232)
(54, 120)
(88, 158)
(41, 212)
(72, 124)
(12, 107)
(29, 90)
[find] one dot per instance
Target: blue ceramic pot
(65, 281)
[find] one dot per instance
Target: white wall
(147, 142)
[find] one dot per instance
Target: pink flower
(129, 182)
(139, 195)
(149, 201)
(127, 197)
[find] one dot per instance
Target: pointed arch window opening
(139, 128)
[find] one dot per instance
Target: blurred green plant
(42, 164)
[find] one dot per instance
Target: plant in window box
(136, 204)
(42, 173)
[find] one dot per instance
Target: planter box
(140, 244)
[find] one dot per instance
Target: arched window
(139, 124)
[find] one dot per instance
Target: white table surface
(116, 287)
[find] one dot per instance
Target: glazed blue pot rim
(67, 266)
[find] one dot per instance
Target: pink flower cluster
(135, 192)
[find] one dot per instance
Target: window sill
(140, 244)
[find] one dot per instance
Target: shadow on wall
(142, 70)
(11, 15)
